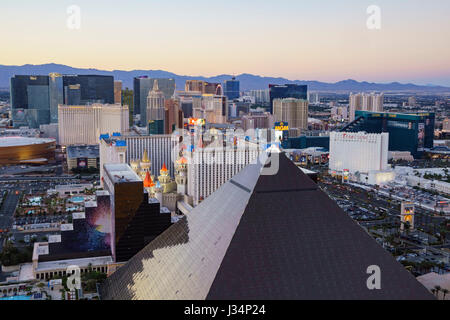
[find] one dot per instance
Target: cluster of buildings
(170, 199)
(35, 99)
(365, 102)
(360, 151)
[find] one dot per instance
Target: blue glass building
(413, 132)
(232, 88)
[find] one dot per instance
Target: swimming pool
(77, 199)
(16, 298)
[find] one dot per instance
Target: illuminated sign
(197, 122)
(281, 131)
(281, 126)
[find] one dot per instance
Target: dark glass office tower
(136, 219)
(187, 108)
(287, 91)
(35, 99)
(30, 100)
(232, 89)
(56, 95)
(85, 89)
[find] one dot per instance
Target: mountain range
(247, 81)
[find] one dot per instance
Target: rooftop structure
(83, 151)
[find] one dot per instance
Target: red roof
(148, 182)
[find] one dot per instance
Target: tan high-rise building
(257, 120)
(155, 104)
(203, 87)
(118, 92)
(366, 102)
(195, 85)
(215, 108)
(173, 119)
(293, 111)
(84, 124)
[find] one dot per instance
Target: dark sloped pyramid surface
(263, 237)
(293, 242)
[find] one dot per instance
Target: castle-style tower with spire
(181, 175)
(146, 165)
(143, 166)
(167, 183)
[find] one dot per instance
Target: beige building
(215, 108)
(366, 102)
(84, 124)
(446, 125)
(293, 111)
(155, 104)
(118, 92)
(260, 120)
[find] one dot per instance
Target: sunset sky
(324, 40)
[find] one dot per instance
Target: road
(7, 211)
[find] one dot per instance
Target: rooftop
(121, 172)
(83, 262)
(89, 152)
(22, 141)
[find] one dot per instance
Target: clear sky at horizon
(325, 40)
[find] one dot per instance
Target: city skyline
(324, 41)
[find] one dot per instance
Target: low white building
(70, 189)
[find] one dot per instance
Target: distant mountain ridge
(247, 81)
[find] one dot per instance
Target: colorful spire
(148, 182)
(182, 160)
(164, 168)
(145, 156)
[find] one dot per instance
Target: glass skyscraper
(35, 99)
(232, 89)
(30, 100)
(85, 89)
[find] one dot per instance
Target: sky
(325, 40)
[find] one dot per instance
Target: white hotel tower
(361, 154)
(210, 167)
(84, 124)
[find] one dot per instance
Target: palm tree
(444, 291)
(438, 289)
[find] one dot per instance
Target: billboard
(281, 131)
(197, 122)
(82, 163)
(420, 136)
